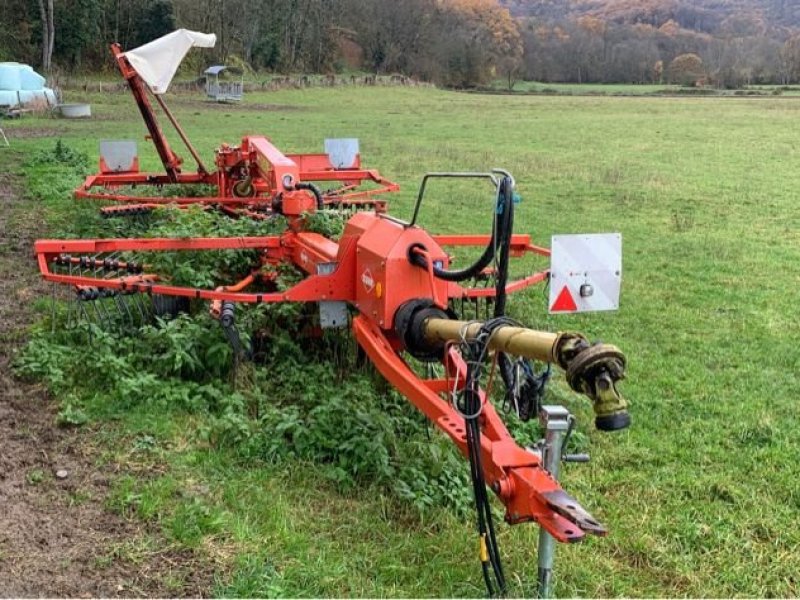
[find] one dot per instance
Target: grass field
(701, 494)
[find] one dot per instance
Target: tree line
(742, 51)
(459, 43)
(454, 42)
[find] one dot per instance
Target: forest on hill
(459, 43)
(699, 15)
(727, 43)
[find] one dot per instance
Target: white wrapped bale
(8, 98)
(10, 77)
(30, 79)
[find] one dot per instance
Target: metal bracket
(332, 314)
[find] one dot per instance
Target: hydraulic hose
(506, 196)
(501, 231)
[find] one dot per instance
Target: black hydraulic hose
(500, 231)
(507, 220)
(507, 194)
(500, 246)
(314, 190)
(468, 273)
(491, 563)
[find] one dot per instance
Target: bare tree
(48, 33)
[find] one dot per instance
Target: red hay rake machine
(249, 180)
(395, 286)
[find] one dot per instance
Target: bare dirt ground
(56, 536)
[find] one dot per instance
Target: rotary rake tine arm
(305, 250)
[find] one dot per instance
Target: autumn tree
(658, 71)
(482, 42)
(686, 69)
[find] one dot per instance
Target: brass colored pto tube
(519, 341)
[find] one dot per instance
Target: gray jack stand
(557, 423)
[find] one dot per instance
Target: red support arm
(172, 162)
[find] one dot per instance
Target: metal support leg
(555, 420)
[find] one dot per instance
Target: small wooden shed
(221, 86)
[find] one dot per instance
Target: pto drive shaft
(591, 369)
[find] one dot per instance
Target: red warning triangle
(565, 302)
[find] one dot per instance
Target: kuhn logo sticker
(367, 280)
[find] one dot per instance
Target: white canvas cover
(156, 62)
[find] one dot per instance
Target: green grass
(700, 495)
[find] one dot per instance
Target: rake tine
(101, 308)
(110, 306)
(99, 320)
(72, 313)
(107, 314)
(147, 308)
(153, 307)
(136, 311)
(137, 299)
(130, 300)
(102, 314)
(97, 314)
(89, 330)
(123, 302)
(87, 318)
(96, 265)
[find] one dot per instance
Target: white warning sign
(585, 272)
